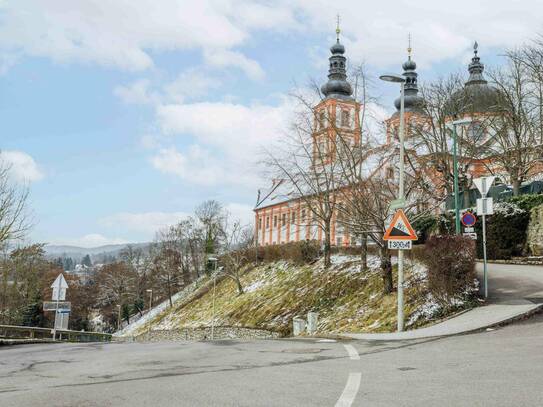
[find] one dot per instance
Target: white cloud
(90, 240)
(146, 223)
(137, 92)
(224, 58)
(22, 166)
(190, 84)
(126, 33)
(227, 139)
(242, 212)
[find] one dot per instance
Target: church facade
(281, 217)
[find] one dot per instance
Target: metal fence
(30, 332)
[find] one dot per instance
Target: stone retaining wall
(535, 231)
(204, 333)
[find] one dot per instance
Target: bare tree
(167, 262)
(306, 163)
(515, 146)
(237, 240)
(210, 214)
(14, 222)
(116, 284)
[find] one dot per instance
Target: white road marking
(349, 392)
(353, 353)
(327, 341)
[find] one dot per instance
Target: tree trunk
(386, 268)
(327, 244)
(364, 252)
(170, 294)
(466, 203)
(516, 187)
(240, 287)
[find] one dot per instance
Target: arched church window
(475, 131)
(345, 118)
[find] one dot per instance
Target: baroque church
(280, 217)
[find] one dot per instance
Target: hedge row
(506, 228)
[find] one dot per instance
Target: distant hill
(78, 252)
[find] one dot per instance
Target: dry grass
(346, 299)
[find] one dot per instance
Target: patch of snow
(157, 310)
(254, 286)
(427, 310)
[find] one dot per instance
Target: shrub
(424, 226)
(505, 232)
(451, 267)
(303, 252)
(445, 223)
(527, 202)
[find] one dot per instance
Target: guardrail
(30, 332)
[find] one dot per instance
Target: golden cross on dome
(409, 49)
(337, 28)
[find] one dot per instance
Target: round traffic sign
(468, 219)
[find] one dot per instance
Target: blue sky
(122, 116)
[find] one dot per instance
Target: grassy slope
(347, 300)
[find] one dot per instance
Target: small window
(259, 223)
(303, 215)
(339, 241)
(284, 219)
(390, 172)
(293, 218)
(267, 222)
(275, 221)
(345, 118)
(322, 118)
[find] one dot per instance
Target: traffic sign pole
(483, 185)
(56, 311)
(485, 275)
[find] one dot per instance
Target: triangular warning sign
(400, 228)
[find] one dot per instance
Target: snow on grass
(132, 328)
(346, 298)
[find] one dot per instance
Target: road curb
(519, 317)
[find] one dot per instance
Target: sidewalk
(473, 320)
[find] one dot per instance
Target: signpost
(484, 207)
(59, 287)
(399, 236)
(468, 220)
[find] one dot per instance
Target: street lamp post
(150, 291)
(118, 317)
(452, 126)
(456, 195)
(401, 192)
(213, 300)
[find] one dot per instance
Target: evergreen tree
(86, 261)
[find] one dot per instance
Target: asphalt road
(509, 282)
(502, 367)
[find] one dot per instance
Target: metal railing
(30, 332)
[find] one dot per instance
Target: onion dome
(337, 86)
(477, 96)
(412, 100)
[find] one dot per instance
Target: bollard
(298, 326)
(312, 322)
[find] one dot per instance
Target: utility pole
(452, 126)
(401, 189)
(455, 171)
(401, 196)
(150, 291)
